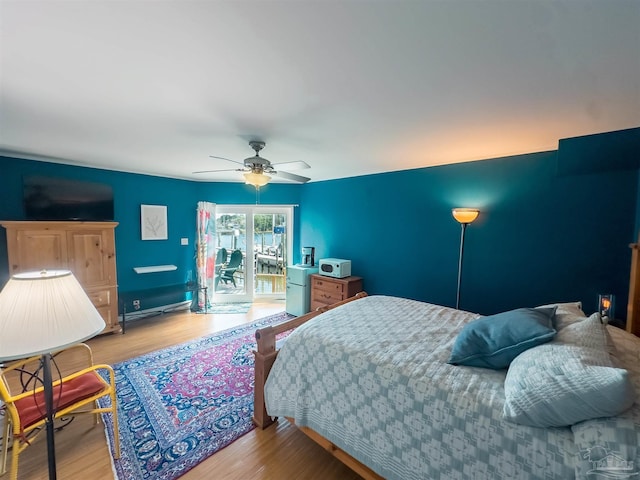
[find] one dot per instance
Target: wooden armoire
(85, 248)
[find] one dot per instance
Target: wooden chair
(74, 393)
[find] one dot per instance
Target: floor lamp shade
(465, 215)
(41, 312)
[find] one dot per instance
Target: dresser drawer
(326, 297)
(328, 290)
(106, 302)
(107, 314)
(100, 297)
(328, 286)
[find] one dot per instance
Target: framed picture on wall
(153, 222)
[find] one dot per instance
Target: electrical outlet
(136, 304)
(184, 241)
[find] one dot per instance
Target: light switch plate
(184, 241)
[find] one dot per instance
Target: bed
(370, 380)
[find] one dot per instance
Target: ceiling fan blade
(226, 170)
(290, 176)
(299, 165)
(259, 165)
(227, 159)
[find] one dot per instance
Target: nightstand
(616, 322)
(328, 290)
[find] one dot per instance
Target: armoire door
(90, 255)
(85, 248)
(37, 250)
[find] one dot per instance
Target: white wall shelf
(155, 268)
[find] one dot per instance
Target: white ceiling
(349, 87)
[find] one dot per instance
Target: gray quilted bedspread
(372, 377)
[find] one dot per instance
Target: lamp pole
(48, 399)
(464, 216)
(463, 230)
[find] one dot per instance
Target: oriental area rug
(180, 405)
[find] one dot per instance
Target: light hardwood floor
(280, 452)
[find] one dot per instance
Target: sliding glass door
(253, 248)
(231, 282)
(270, 247)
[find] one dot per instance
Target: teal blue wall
(130, 191)
(545, 232)
(554, 226)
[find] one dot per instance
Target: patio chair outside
(226, 273)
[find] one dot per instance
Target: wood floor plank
(280, 452)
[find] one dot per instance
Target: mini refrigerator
(299, 289)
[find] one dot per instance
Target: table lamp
(40, 313)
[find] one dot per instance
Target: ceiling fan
(257, 167)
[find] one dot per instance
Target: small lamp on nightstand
(606, 305)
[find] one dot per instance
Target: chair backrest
(236, 259)
(221, 256)
(11, 379)
(75, 392)
(5, 389)
(23, 375)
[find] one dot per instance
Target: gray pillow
(574, 308)
(566, 381)
(566, 313)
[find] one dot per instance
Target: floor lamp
(40, 313)
(465, 216)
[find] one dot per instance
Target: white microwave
(335, 267)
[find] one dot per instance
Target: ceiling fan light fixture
(256, 179)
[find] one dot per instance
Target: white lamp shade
(41, 312)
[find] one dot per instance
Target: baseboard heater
(159, 310)
(158, 300)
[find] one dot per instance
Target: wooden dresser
(85, 248)
(328, 290)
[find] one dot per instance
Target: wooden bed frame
(265, 355)
(633, 307)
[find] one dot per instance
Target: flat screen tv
(50, 198)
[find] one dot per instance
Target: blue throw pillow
(494, 341)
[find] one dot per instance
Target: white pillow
(592, 333)
(568, 380)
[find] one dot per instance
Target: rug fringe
(109, 445)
